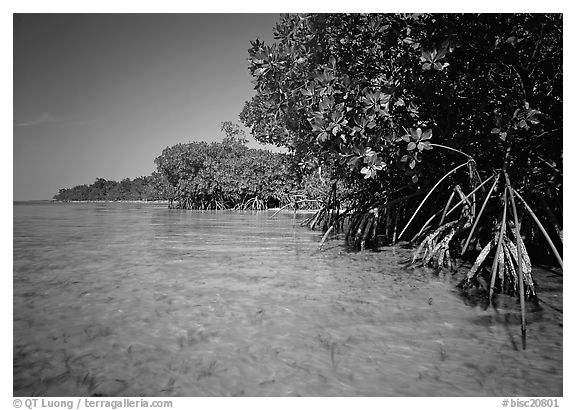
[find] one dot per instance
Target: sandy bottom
(266, 314)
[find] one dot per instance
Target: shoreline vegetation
(441, 130)
(445, 128)
(127, 201)
(167, 202)
(219, 175)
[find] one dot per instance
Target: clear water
(139, 300)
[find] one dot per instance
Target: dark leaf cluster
(383, 101)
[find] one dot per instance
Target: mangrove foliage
(216, 176)
(442, 130)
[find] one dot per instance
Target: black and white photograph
(303, 204)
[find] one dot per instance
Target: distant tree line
(144, 188)
(217, 175)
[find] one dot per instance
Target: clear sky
(101, 95)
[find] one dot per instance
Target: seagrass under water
(132, 300)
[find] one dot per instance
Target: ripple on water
(132, 300)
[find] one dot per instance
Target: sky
(101, 95)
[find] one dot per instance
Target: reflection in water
(131, 300)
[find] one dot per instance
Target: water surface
(139, 300)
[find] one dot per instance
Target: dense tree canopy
(228, 174)
(354, 89)
(388, 100)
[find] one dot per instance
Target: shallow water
(139, 300)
